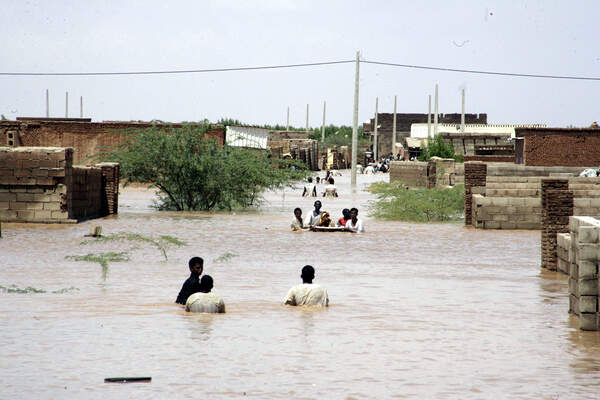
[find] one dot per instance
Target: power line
(470, 71)
(186, 71)
(265, 67)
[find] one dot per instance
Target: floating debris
(225, 257)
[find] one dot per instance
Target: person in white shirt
(205, 301)
(330, 189)
(315, 215)
(307, 293)
(310, 189)
(355, 224)
(297, 222)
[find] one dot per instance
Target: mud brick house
(87, 138)
(569, 147)
(404, 122)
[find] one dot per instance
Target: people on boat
(297, 222)
(310, 189)
(192, 284)
(344, 218)
(307, 293)
(355, 224)
(325, 220)
(330, 189)
(315, 214)
(205, 301)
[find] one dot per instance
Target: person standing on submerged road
(297, 223)
(192, 284)
(355, 224)
(307, 293)
(205, 301)
(315, 215)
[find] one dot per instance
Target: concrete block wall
(515, 201)
(33, 183)
(40, 184)
(564, 258)
(413, 173)
(583, 274)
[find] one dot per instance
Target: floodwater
(417, 311)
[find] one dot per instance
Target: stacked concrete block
(583, 275)
(475, 175)
(505, 212)
(40, 184)
(565, 259)
(412, 173)
(557, 207)
(32, 183)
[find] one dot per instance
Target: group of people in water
(319, 218)
(197, 296)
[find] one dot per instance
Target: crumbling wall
(475, 175)
(40, 184)
(557, 206)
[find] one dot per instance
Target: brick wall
(557, 206)
(40, 184)
(491, 158)
(560, 146)
(86, 138)
(475, 175)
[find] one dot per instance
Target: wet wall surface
(417, 310)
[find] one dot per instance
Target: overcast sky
(541, 37)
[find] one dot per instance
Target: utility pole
(435, 112)
(323, 127)
(287, 125)
(355, 122)
(375, 137)
(47, 103)
(429, 118)
(307, 118)
(462, 113)
(66, 104)
(80, 106)
(394, 128)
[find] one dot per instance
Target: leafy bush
(437, 147)
(398, 203)
(194, 173)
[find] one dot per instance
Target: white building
(246, 136)
(420, 130)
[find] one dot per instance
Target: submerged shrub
(396, 202)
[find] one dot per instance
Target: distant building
(403, 126)
(568, 147)
(247, 136)
(86, 137)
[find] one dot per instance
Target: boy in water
(192, 284)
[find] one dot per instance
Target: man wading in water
(192, 284)
(205, 301)
(307, 293)
(315, 215)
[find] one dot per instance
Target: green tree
(437, 147)
(194, 173)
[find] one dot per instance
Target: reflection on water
(418, 311)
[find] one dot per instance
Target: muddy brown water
(418, 311)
